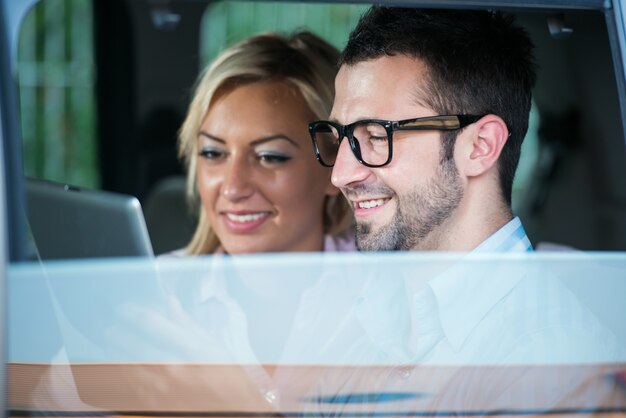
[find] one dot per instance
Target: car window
(319, 334)
(103, 89)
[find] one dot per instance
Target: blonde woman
(248, 154)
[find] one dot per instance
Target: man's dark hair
(477, 63)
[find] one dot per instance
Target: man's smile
(369, 204)
(367, 207)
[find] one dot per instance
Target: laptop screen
(70, 222)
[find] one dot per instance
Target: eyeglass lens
(371, 137)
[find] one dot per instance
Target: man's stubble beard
(418, 214)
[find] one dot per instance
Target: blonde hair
(303, 61)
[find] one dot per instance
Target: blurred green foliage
(227, 22)
(56, 82)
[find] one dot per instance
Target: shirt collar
(471, 291)
(510, 238)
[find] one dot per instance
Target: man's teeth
(368, 204)
(246, 218)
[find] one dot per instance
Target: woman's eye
(211, 154)
(273, 158)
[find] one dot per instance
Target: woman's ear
(483, 144)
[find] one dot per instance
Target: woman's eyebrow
(209, 136)
(274, 138)
(256, 141)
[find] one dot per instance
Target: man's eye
(211, 154)
(375, 138)
(273, 158)
(371, 132)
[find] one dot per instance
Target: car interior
(101, 90)
(122, 114)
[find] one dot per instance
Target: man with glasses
(424, 138)
(425, 133)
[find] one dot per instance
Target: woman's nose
(238, 183)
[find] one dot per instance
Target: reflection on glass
(320, 334)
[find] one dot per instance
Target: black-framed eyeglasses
(371, 139)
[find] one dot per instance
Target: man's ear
(483, 144)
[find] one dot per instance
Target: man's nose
(347, 169)
(238, 182)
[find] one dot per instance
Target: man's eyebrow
(356, 120)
